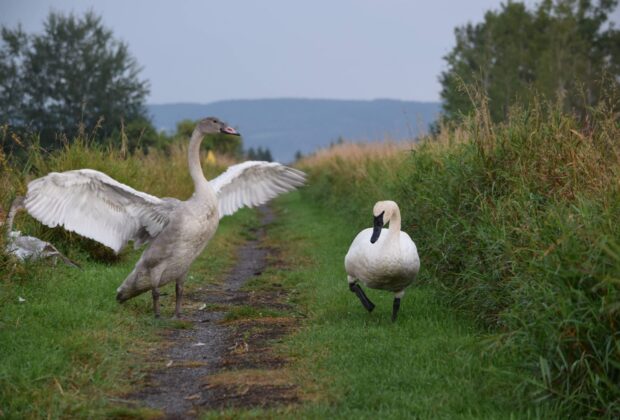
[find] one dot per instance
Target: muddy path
(222, 357)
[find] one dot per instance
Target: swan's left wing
(98, 207)
(253, 183)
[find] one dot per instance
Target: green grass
(250, 312)
(517, 310)
(431, 363)
(70, 348)
(517, 227)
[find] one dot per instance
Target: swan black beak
(229, 130)
(376, 230)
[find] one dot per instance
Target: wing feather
(95, 205)
(252, 183)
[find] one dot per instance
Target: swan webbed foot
(395, 308)
(359, 292)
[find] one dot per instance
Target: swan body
(191, 226)
(385, 259)
(95, 205)
(25, 247)
(385, 265)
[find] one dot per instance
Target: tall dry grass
(516, 224)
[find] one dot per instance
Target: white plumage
(96, 206)
(385, 259)
(252, 183)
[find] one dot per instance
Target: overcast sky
(203, 51)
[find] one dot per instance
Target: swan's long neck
(394, 228)
(193, 158)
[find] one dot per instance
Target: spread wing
(253, 183)
(96, 206)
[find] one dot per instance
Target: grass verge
(431, 363)
(69, 349)
(516, 227)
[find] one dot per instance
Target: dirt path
(224, 360)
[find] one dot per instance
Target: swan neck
(394, 228)
(193, 159)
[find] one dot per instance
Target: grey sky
(202, 51)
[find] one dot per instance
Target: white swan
(385, 259)
(96, 206)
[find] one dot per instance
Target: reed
(517, 224)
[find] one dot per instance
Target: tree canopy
(73, 75)
(565, 50)
(259, 154)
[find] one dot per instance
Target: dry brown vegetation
(517, 223)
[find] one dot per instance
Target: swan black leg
(356, 288)
(395, 308)
(179, 299)
(155, 293)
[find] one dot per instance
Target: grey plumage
(25, 247)
(96, 206)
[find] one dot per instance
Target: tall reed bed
(518, 226)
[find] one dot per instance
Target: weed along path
(220, 354)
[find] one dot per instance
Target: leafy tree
(266, 155)
(74, 74)
(185, 128)
(298, 155)
(259, 154)
(563, 49)
(141, 134)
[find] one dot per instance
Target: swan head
(212, 125)
(121, 295)
(125, 292)
(382, 213)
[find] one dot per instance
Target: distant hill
(288, 125)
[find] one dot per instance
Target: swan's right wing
(253, 183)
(94, 205)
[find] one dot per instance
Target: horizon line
(293, 98)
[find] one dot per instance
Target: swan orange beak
(376, 230)
(229, 130)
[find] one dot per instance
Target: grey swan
(94, 205)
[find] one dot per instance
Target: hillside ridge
(288, 125)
